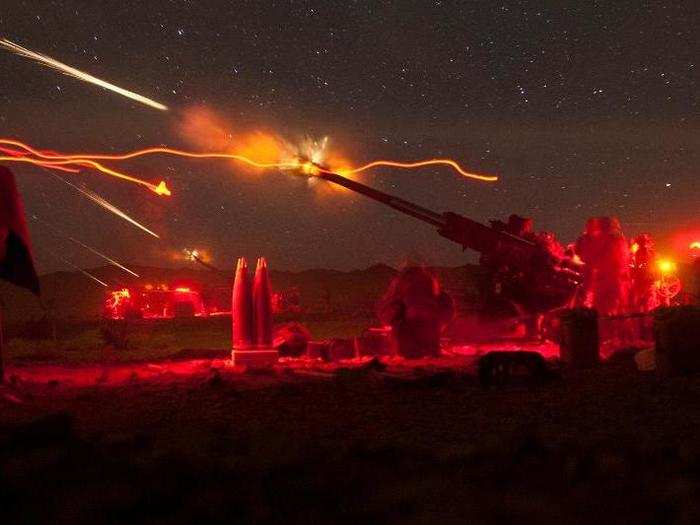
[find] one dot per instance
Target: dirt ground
(200, 441)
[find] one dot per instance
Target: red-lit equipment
(151, 302)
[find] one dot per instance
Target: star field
(582, 108)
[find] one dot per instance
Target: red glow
(151, 302)
(686, 242)
(669, 285)
(109, 374)
(117, 303)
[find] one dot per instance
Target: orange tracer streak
(63, 161)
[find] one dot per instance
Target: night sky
(582, 108)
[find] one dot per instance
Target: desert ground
(168, 431)
(204, 442)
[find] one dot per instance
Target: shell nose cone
(242, 307)
(262, 301)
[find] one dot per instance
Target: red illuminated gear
(417, 310)
(16, 262)
(643, 291)
(262, 302)
(242, 321)
(606, 255)
(154, 303)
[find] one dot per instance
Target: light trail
(106, 205)
(80, 157)
(89, 248)
(76, 73)
(56, 162)
(418, 164)
(307, 167)
(76, 267)
(15, 153)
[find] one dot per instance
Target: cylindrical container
(262, 302)
(242, 307)
(579, 342)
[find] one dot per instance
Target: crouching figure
(417, 310)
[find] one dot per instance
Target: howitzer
(534, 278)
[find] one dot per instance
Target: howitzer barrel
(457, 228)
(479, 237)
(419, 212)
(545, 280)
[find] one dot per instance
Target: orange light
(162, 189)
(183, 290)
(195, 255)
(116, 297)
(266, 147)
(90, 158)
(420, 164)
(634, 248)
(309, 168)
(60, 163)
(695, 245)
(666, 266)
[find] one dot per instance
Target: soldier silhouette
(417, 309)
